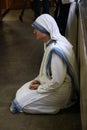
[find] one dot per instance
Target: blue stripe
(50, 42)
(40, 28)
(17, 106)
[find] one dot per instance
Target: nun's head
(45, 27)
(40, 32)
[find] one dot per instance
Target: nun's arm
(58, 70)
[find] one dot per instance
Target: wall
(82, 40)
(77, 27)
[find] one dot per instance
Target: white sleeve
(58, 69)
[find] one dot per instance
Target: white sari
(53, 93)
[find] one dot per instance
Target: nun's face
(41, 36)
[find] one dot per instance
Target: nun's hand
(34, 85)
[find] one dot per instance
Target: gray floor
(20, 58)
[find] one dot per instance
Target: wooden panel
(9, 3)
(17, 4)
(3, 4)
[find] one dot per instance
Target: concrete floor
(20, 58)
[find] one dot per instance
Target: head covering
(40, 28)
(46, 23)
